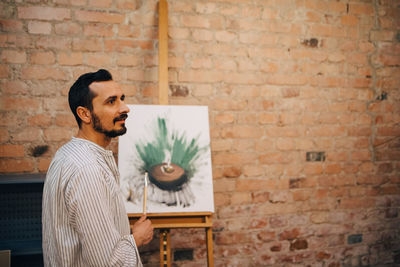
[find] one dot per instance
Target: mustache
(121, 117)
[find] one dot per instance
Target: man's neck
(93, 136)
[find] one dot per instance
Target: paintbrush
(145, 193)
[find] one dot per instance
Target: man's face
(109, 110)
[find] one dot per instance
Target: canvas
(172, 145)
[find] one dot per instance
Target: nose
(124, 108)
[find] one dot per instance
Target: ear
(84, 114)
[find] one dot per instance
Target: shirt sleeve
(90, 201)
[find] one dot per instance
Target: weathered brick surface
(280, 78)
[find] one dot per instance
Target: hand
(142, 231)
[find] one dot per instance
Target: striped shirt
(84, 218)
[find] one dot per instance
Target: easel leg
(165, 248)
(209, 237)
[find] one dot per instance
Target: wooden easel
(167, 221)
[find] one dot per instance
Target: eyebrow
(114, 97)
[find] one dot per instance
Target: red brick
(254, 185)
(266, 236)
(100, 3)
(333, 168)
(39, 120)
(203, 90)
(225, 118)
(57, 103)
(201, 63)
(361, 155)
(260, 197)
(176, 62)
(279, 196)
(4, 136)
(65, 120)
(241, 131)
(249, 38)
(243, 144)
(42, 58)
(28, 134)
(221, 199)
(39, 27)
(127, 45)
(313, 169)
(285, 144)
(44, 164)
(97, 59)
(67, 28)
(129, 90)
(13, 56)
(232, 172)
(126, 4)
(98, 29)
(327, 31)
(43, 73)
(356, 203)
(225, 64)
(279, 79)
(268, 118)
(289, 234)
(181, 7)
(97, 16)
(229, 238)
(224, 185)
(93, 44)
(302, 182)
(361, 9)
(149, 91)
(179, 33)
(12, 151)
(225, 36)
(70, 58)
(205, 8)
(13, 103)
(11, 25)
(200, 76)
(349, 20)
(283, 131)
(44, 13)
(57, 134)
(140, 75)
(50, 42)
(223, 50)
(371, 179)
(221, 145)
(129, 31)
(273, 158)
(16, 165)
(233, 158)
(240, 198)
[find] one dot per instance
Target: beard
(98, 126)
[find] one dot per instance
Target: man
(84, 218)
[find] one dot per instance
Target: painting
(168, 149)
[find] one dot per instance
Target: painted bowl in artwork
(168, 177)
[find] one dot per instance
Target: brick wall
(304, 107)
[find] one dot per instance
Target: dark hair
(80, 93)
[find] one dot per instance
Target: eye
(111, 101)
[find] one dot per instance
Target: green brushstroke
(185, 152)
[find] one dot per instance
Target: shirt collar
(93, 146)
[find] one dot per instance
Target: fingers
(142, 218)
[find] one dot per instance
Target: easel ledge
(166, 221)
(176, 220)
